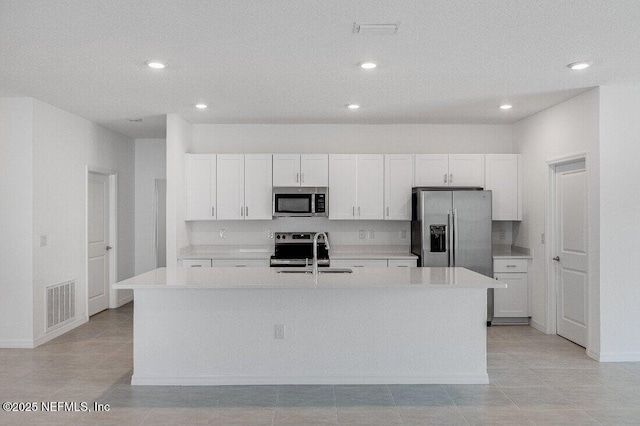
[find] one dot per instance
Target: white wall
(64, 146)
(351, 138)
(150, 164)
(16, 220)
(620, 235)
(568, 128)
(179, 136)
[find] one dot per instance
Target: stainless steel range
(296, 249)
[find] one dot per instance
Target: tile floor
(535, 379)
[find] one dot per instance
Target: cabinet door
(201, 186)
(513, 300)
(466, 170)
(240, 263)
(314, 170)
(286, 169)
(502, 177)
(342, 186)
(230, 186)
(257, 187)
(431, 170)
(370, 186)
(398, 179)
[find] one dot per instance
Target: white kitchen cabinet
(244, 186)
(398, 180)
(402, 263)
(240, 263)
(257, 187)
(196, 263)
(503, 176)
(201, 186)
(511, 304)
(457, 170)
(230, 194)
(301, 170)
(356, 186)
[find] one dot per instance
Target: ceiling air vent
(375, 29)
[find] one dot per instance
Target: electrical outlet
(503, 233)
(43, 240)
(372, 234)
(403, 234)
(278, 331)
(363, 234)
(270, 234)
(223, 234)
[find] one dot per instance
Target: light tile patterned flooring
(535, 379)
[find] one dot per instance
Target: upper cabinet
(503, 176)
(458, 170)
(300, 170)
(398, 179)
(201, 186)
(228, 186)
(356, 186)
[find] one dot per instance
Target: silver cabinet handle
(297, 177)
(246, 211)
(445, 178)
(511, 266)
(451, 178)
(241, 211)
(387, 210)
(196, 266)
(240, 266)
(213, 212)
(353, 211)
(557, 258)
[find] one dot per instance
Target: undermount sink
(310, 271)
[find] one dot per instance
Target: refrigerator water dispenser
(438, 238)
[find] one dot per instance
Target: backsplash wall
(341, 232)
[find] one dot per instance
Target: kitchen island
(222, 326)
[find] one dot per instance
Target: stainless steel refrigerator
(453, 228)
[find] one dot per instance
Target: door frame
(155, 218)
(551, 242)
(113, 234)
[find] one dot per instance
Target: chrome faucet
(315, 249)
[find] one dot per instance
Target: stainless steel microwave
(300, 202)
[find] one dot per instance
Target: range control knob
(277, 237)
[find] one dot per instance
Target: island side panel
(337, 336)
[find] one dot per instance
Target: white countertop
(510, 252)
(264, 278)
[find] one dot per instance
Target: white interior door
(570, 258)
(98, 237)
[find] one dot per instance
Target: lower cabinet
(372, 263)
(240, 263)
(511, 304)
(196, 263)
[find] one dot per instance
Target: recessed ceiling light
(156, 65)
(368, 65)
(579, 65)
(353, 106)
(506, 106)
(201, 106)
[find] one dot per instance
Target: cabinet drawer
(510, 265)
(402, 263)
(196, 263)
(240, 263)
(355, 263)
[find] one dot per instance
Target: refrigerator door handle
(449, 242)
(455, 234)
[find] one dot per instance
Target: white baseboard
(614, 356)
(124, 301)
(538, 326)
(16, 344)
(141, 380)
(60, 331)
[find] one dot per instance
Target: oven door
(292, 205)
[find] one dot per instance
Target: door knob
(108, 248)
(557, 258)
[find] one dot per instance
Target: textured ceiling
(295, 61)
